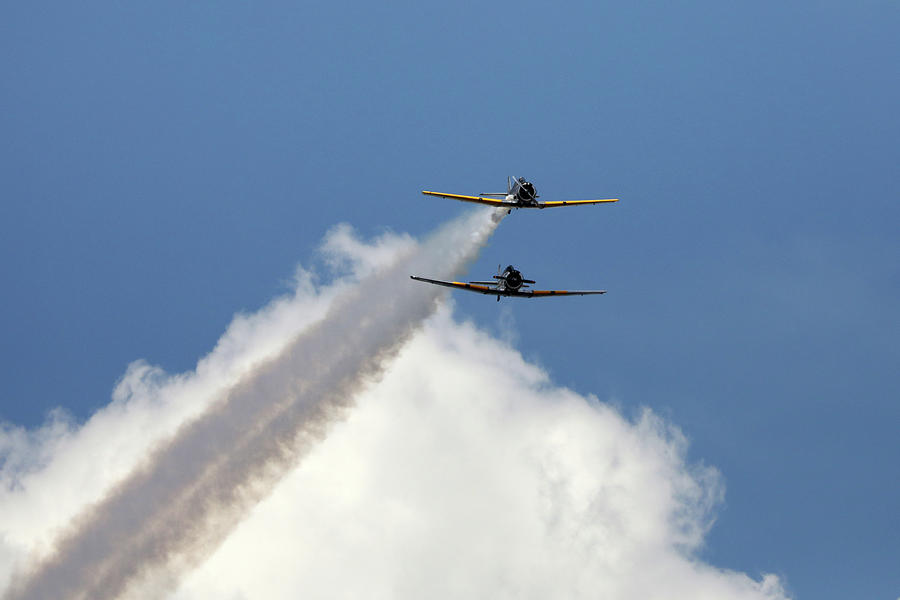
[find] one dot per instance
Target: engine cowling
(513, 280)
(525, 191)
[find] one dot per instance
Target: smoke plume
(178, 505)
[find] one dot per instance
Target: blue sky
(164, 167)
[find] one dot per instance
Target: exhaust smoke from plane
(184, 499)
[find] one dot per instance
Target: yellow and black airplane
(519, 194)
(508, 282)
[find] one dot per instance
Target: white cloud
(464, 472)
(48, 475)
(185, 494)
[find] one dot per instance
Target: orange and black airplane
(508, 282)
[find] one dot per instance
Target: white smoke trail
(181, 503)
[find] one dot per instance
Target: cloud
(185, 495)
(461, 472)
(49, 474)
(466, 473)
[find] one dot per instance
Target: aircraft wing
(546, 293)
(475, 199)
(472, 287)
(573, 202)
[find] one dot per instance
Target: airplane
(508, 282)
(519, 194)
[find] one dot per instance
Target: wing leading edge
(545, 293)
(481, 289)
(556, 203)
(475, 199)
